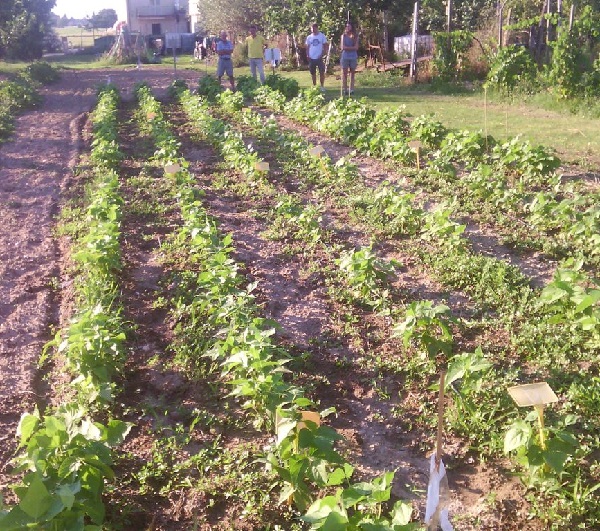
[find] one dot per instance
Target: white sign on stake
(536, 395)
(172, 168)
(415, 145)
(316, 151)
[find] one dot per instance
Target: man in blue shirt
(225, 65)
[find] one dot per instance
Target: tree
(230, 15)
(466, 14)
(105, 18)
(23, 26)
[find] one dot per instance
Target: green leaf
(589, 300)
(116, 431)
(37, 499)
(14, 520)
(285, 494)
(339, 475)
(401, 513)
(284, 427)
(555, 459)
(67, 493)
(355, 494)
(335, 521)
(517, 436)
(320, 509)
(55, 426)
(69, 465)
(27, 425)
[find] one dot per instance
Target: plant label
(535, 394)
(415, 145)
(261, 166)
(311, 416)
(172, 168)
(316, 151)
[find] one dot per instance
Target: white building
(158, 17)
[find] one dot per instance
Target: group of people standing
(316, 48)
(256, 46)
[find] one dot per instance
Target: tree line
(26, 26)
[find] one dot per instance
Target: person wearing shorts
(224, 50)
(315, 46)
(349, 58)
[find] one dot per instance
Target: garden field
(233, 310)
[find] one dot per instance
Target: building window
(156, 29)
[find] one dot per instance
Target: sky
(85, 8)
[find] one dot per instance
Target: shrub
(512, 67)
(18, 95)
(286, 85)
(450, 54)
(176, 88)
(209, 86)
(42, 72)
(247, 85)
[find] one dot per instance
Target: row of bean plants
(575, 315)
(218, 320)
(66, 455)
(512, 185)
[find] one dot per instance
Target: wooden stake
(438, 446)
(540, 411)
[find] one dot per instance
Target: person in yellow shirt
(256, 46)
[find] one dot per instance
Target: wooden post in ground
(571, 17)
(413, 45)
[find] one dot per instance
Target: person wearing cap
(224, 50)
(315, 47)
(256, 46)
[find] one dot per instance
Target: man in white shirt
(315, 47)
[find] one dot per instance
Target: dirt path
(35, 168)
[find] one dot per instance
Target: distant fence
(403, 45)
